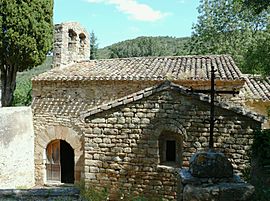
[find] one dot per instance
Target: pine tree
(25, 39)
(93, 46)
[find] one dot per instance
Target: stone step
(41, 194)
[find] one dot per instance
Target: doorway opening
(60, 162)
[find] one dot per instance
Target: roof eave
(164, 86)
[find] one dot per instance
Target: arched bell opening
(82, 43)
(72, 37)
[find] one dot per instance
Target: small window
(170, 149)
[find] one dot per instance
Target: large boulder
(210, 164)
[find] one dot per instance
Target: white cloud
(134, 9)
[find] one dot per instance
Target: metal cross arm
(232, 92)
(212, 93)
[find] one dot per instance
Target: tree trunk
(8, 84)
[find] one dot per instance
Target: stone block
(112, 120)
(135, 120)
(99, 120)
(128, 114)
(121, 120)
(90, 176)
(93, 169)
(97, 130)
(110, 131)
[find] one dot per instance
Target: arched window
(170, 148)
(82, 43)
(72, 40)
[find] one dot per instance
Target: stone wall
(122, 144)
(119, 148)
(56, 107)
(71, 43)
(70, 98)
(16, 147)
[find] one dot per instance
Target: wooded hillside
(145, 46)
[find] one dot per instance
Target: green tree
(257, 58)
(223, 27)
(93, 46)
(257, 6)
(25, 38)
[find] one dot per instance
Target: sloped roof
(147, 68)
(256, 87)
(165, 86)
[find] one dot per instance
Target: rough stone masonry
(131, 130)
(123, 145)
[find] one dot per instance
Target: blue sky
(117, 20)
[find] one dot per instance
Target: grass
(92, 193)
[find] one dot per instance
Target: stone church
(130, 124)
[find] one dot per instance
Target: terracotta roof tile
(147, 68)
(256, 87)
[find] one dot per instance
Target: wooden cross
(213, 92)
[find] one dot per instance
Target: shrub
(22, 94)
(91, 193)
(261, 146)
(260, 174)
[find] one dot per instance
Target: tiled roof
(256, 87)
(147, 68)
(165, 86)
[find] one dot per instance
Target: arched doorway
(60, 162)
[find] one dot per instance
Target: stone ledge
(39, 193)
(219, 192)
